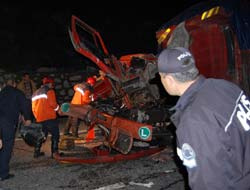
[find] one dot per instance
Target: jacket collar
(189, 94)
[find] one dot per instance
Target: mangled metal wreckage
(129, 108)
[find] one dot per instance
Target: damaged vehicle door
(129, 107)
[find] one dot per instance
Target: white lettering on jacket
(242, 111)
(183, 55)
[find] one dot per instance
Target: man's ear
(171, 81)
(169, 78)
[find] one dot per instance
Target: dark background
(36, 34)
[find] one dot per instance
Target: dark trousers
(52, 126)
(29, 103)
(20, 120)
(8, 138)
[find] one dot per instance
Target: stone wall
(64, 81)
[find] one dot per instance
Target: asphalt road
(47, 173)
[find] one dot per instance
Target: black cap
(173, 60)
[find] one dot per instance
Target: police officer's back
(12, 103)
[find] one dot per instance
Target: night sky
(34, 35)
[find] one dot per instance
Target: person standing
(45, 107)
(27, 85)
(12, 103)
(83, 95)
(212, 123)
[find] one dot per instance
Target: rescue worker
(83, 95)
(12, 103)
(45, 107)
(212, 123)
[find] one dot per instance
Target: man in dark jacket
(12, 103)
(212, 121)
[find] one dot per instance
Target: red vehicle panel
(128, 106)
(211, 37)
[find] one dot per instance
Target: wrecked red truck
(129, 108)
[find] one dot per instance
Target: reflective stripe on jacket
(83, 94)
(44, 104)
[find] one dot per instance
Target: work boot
(67, 134)
(37, 152)
(66, 131)
(7, 177)
(75, 135)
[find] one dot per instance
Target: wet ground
(47, 173)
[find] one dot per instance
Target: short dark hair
(10, 81)
(26, 73)
(186, 76)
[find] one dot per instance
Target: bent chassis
(129, 107)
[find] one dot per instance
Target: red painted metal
(96, 37)
(108, 158)
(109, 64)
(103, 89)
(127, 78)
(127, 126)
(215, 47)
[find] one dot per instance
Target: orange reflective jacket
(44, 104)
(83, 94)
